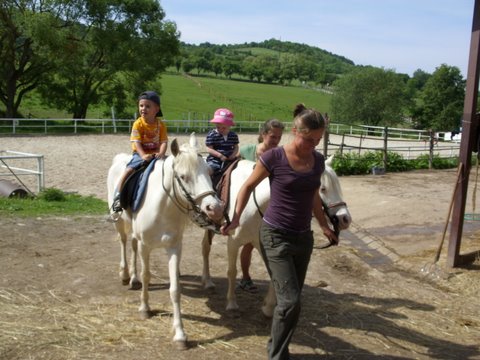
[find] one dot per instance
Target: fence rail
(408, 142)
(19, 164)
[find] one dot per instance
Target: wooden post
(469, 139)
(430, 152)
(385, 147)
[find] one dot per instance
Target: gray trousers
(286, 255)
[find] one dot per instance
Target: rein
(193, 211)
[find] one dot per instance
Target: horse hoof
(145, 315)
(209, 286)
(125, 281)
(181, 345)
(135, 285)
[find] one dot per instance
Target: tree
(231, 67)
(102, 38)
(24, 51)
(369, 95)
(188, 65)
(71, 50)
(217, 65)
(441, 100)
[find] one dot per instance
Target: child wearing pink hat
(221, 143)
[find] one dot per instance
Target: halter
(333, 219)
(193, 211)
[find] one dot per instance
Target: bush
(52, 194)
(355, 164)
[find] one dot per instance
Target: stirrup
(114, 216)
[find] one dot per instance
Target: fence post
(360, 144)
(113, 121)
(341, 145)
(431, 143)
(325, 142)
(385, 147)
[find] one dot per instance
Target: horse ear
(193, 141)
(329, 161)
(174, 147)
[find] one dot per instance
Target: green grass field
(185, 97)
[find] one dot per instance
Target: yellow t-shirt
(149, 135)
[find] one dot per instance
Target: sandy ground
(60, 296)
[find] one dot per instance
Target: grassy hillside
(200, 97)
(186, 97)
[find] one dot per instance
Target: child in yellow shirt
(148, 137)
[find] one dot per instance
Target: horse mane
(187, 159)
(331, 181)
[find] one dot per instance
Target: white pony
(251, 218)
(178, 188)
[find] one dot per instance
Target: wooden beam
(468, 142)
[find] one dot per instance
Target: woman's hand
(226, 228)
(330, 235)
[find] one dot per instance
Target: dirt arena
(61, 298)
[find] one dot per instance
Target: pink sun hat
(223, 116)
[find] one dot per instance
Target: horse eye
(323, 189)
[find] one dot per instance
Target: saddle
(223, 186)
(135, 186)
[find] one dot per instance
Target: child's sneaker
(116, 206)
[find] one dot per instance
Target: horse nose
(215, 210)
(344, 221)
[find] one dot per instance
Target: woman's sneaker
(248, 285)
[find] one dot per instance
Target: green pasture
(187, 97)
(197, 97)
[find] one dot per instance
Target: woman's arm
(319, 214)
(259, 173)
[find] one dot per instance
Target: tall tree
(369, 95)
(24, 49)
(441, 100)
(73, 50)
(103, 38)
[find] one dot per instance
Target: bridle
(333, 218)
(192, 209)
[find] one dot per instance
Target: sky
(400, 35)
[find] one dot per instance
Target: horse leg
(174, 256)
(144, 309)
(135, 283)
(232, 249)
(269, 302)
(206, 246)
(124, 275)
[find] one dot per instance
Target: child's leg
(128, 171)
(117, 206)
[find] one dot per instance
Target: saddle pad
(134, 189)
(223, 186)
